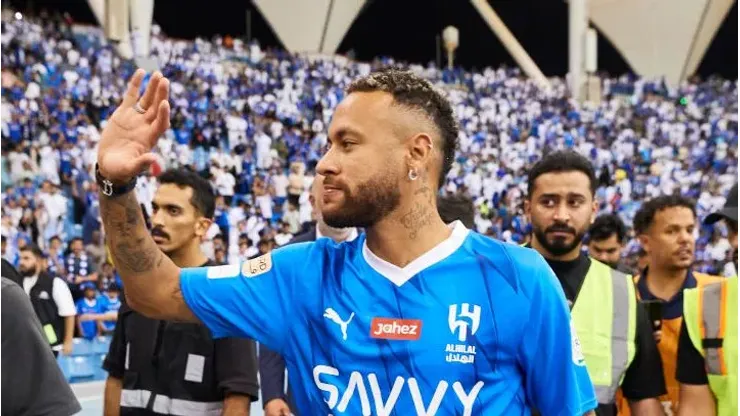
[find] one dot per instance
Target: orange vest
(668, 348)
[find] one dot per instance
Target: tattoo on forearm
(418, 217)
(129, 243)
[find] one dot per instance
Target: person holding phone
(665, 227)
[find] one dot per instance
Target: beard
(558, 246)
(27, 272)
(373, 200)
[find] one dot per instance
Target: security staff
(159, 367)
(51, 299)
(276, 399)
(706, 364)
(665, 227)
(615, 334)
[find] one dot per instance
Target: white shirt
(59, 292)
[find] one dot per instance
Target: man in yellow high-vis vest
(706, 364)
(615, 334)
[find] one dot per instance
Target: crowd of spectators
(254, 121)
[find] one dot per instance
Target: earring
(413, 175)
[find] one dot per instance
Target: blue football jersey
(472, 327)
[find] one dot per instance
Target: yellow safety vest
(710, 314)
(605, 316)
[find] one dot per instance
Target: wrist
(113, 187)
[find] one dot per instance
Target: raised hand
(134, 128)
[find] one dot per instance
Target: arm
(550, 330)
(69, 333)
(695, 397)
(113, 387)
(151, 279)
(272, 375)
(696, 400)
(237, 405)
(643, 382)
(236, 374)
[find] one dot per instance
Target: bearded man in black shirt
(615, 333)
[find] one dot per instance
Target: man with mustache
(165, 367)
(666, 228)
(616, 337)
(706, 363)
(413, 317)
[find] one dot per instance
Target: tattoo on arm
(129, 243)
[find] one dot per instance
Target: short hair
(203, 198)
(558, 162)
(646, 214)
(456, 207)
(418, 94)
(605, 226)
(34, 249)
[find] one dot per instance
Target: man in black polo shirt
(160, 367)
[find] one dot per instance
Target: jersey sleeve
(252, 299)
(557, 382)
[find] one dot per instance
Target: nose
(328, 165)
(561, 213)
(157, 218)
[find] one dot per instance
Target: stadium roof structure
(658, 38)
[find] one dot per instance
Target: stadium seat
(100, 345)
(81, 347)
(77, 368)
(97, 361)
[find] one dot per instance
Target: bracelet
(110, 189)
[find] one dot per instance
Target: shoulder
(703, 279)
(11, 292)
(521, 267)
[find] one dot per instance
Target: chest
(427, 338)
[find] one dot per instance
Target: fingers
(162, 93)
(148, 97)
(140, 163)
(160, 123)
(132, 92)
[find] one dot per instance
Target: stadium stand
(253, 122)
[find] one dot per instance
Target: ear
(420, 151)
(202, 226)
(528, 209)
(594, 211)
(644, 242)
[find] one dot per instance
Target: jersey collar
(400, 275)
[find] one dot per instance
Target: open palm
(129, 135)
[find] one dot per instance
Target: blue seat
(81, 346)
(81, 368)
(100, 374)
(101, 344)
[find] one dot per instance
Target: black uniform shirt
(690, 366)
(644, 377)
(230, 362)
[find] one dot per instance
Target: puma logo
(333, 316)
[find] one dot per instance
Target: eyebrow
(568, 195)
(346, 130)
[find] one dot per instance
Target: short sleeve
(557, 383)
(252, 299)
(690, 365)
(63, 298)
